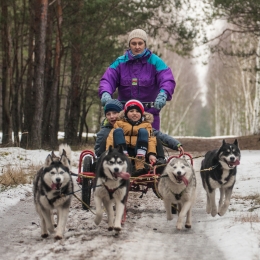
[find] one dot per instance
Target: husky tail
(67, 149)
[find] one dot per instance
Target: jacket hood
(147, 117)
(106, 124)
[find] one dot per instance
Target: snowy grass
(249, 218)
(13, 176)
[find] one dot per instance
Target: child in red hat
(133, 130)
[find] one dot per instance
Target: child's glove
(104, 98)
(160, 101)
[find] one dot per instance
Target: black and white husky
(218, 171)
(112, 186)
(52, 188)
(177, 185)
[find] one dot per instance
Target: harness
(51, 201)
(210, 168)
(111, 191)
(58, 196)
(218, 180)
(177, 196)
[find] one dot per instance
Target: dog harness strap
(111, 191)
(51, 201)
(178, 196)
(60, 195)
(210, 168)
(214, 166)
(163, 176)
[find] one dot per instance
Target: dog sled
(141, 184)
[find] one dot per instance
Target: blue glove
(104, 98)
(160, 101)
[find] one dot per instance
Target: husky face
(56, 171)
(114, 165)
(179, 170)
(56, 177)
(229, 155)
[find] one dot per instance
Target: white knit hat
(137, 33)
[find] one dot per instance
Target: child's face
(112, 117)
(134, 115)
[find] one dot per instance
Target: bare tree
(7, 71)
(41, 21)
(27, 98)
(75, 90)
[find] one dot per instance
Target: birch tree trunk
(256, 119)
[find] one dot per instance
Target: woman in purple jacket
(139, 74)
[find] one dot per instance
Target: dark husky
(52, 188)
(218, 171)
(112, 186)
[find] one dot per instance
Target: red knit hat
(134, 104)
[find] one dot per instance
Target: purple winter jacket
(140, 79)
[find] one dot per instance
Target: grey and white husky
(177, 185)
(218, 171)
(112, 186)
(52, 188)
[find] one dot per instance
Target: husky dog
(218, 170)
(112, 186)
(52, 188)
(177, 185)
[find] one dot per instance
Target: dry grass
(252, 197)
(13, 176)
(248, 197)
(250, 218)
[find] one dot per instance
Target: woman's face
(137, 46)
(134, 115)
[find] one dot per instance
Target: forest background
(53, 54)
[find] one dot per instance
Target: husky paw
(221, 214)
(170, 218)
(110, 228)
(117, 229)
(97, 220)
(44, 235)
(214, 212)
(188, 226)
(222, 211)
(58, 237)
(179, 227)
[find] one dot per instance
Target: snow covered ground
(146, 234)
